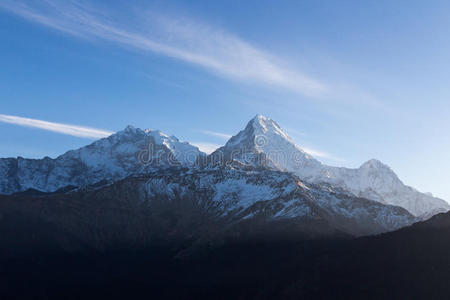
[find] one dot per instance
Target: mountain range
(373, 179)
(141, 214)
(109, 242)
(258, 173)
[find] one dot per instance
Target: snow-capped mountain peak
(264, 125)
(183, 151)
(374, 164)
(264, 138)
(128, 152)
(130, 129)
(160, 137)
(264, 142)
(376, 170)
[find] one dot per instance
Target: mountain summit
(261, 144)
(128, 152)
(264, 143)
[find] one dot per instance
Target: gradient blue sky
(348, 80)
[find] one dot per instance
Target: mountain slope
(274, 196)
(127, 152)
(261, 144)
(375, 180)
(201, 206)
(264, 143)
(109, 239)
(411, 263)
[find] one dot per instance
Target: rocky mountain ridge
(262, 145)
(128, 152)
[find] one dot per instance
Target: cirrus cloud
(212, 49)
(74, 130)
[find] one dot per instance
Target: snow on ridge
(118, 155)
(372, 179)
(279, 195)
(127, 152)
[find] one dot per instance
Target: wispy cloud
(321, 154)
(195, 43)
(316, 153)
(208, 148)
(79, 131)
(224, 136)
(295, 132)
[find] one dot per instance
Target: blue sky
(348, 80)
